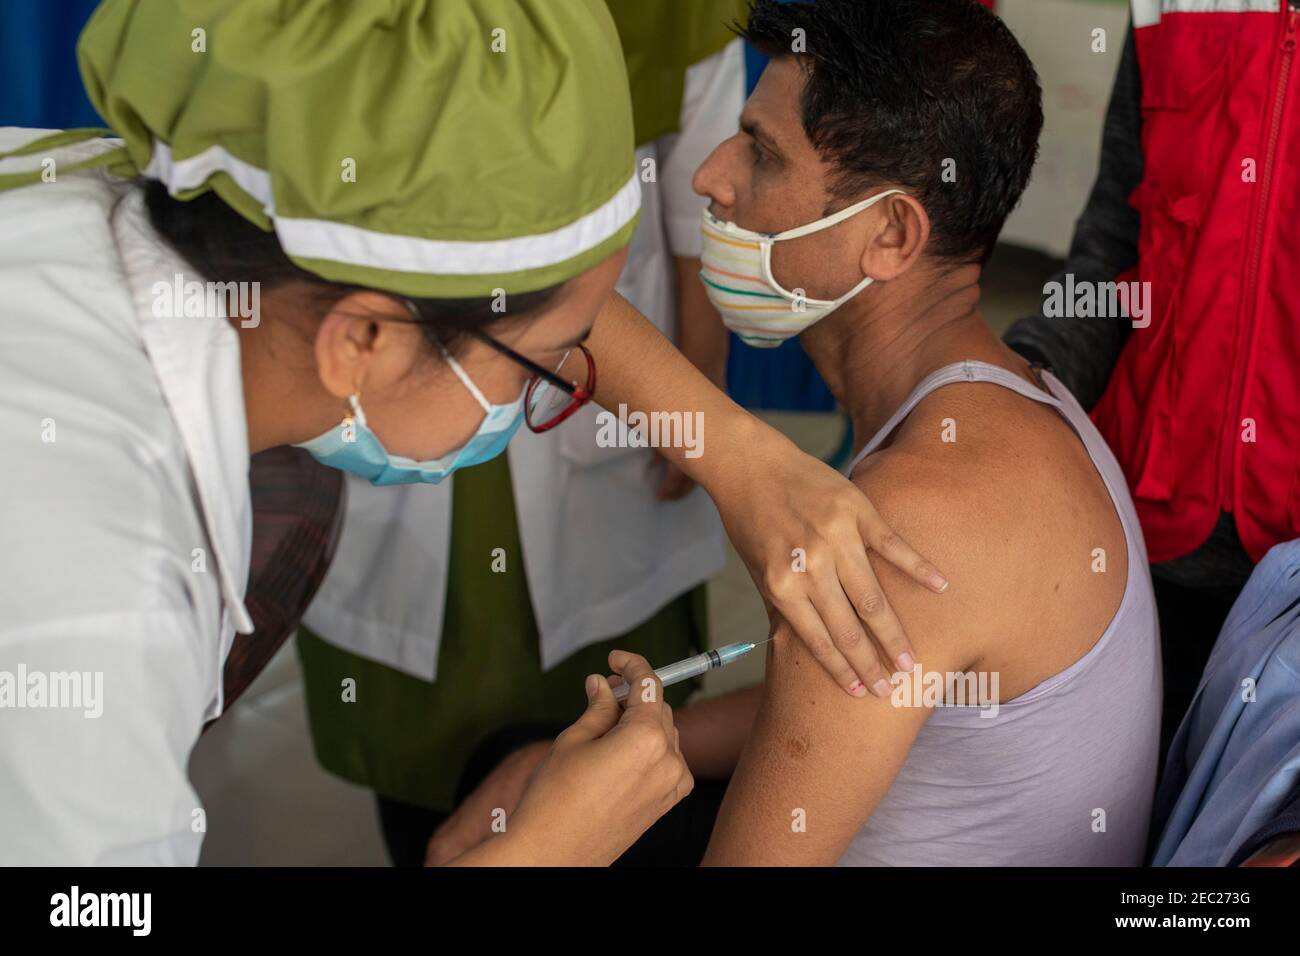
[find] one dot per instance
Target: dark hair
(897, 86)
(223, 246)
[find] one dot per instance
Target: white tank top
(1064, 774)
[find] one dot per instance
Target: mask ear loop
(799, 231)
(455, 366)
(466, 380)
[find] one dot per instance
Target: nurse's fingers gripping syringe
(671, 674)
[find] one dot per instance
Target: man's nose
(712, 180)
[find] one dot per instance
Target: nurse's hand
(499, 793)
(607, 778)
(803, 531)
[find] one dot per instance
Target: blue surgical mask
(351, 446)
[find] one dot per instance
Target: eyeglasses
(552, 396)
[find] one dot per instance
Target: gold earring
(349, 424)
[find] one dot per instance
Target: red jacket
(1203, 409)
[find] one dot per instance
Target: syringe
(671, 674)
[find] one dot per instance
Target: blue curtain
(40, 85)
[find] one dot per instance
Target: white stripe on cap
(340, 242)
(1147, 12)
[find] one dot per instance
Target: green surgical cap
(438, 148)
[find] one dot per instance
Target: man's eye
(756, 151)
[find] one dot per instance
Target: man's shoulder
(943, 486)
(979, 452)
(1003, 497)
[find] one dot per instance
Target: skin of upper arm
(819, 761)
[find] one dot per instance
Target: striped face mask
(738, 278)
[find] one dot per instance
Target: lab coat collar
(198, 365)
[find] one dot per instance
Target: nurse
(391, 224)
(506, 607)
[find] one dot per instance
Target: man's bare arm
(816, 763)
(714, 730)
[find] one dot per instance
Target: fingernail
(593, 685)
(938, 582)
(905, 662)
(881, 687)
(858, 689)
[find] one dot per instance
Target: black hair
(895, 87)
(223, 246)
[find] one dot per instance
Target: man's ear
(346, 341)
(900, 232)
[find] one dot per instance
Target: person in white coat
(311, 260)
(574, 547)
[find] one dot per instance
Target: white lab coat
(125, 523)
(600, 554)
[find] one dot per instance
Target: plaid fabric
(297, 517)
